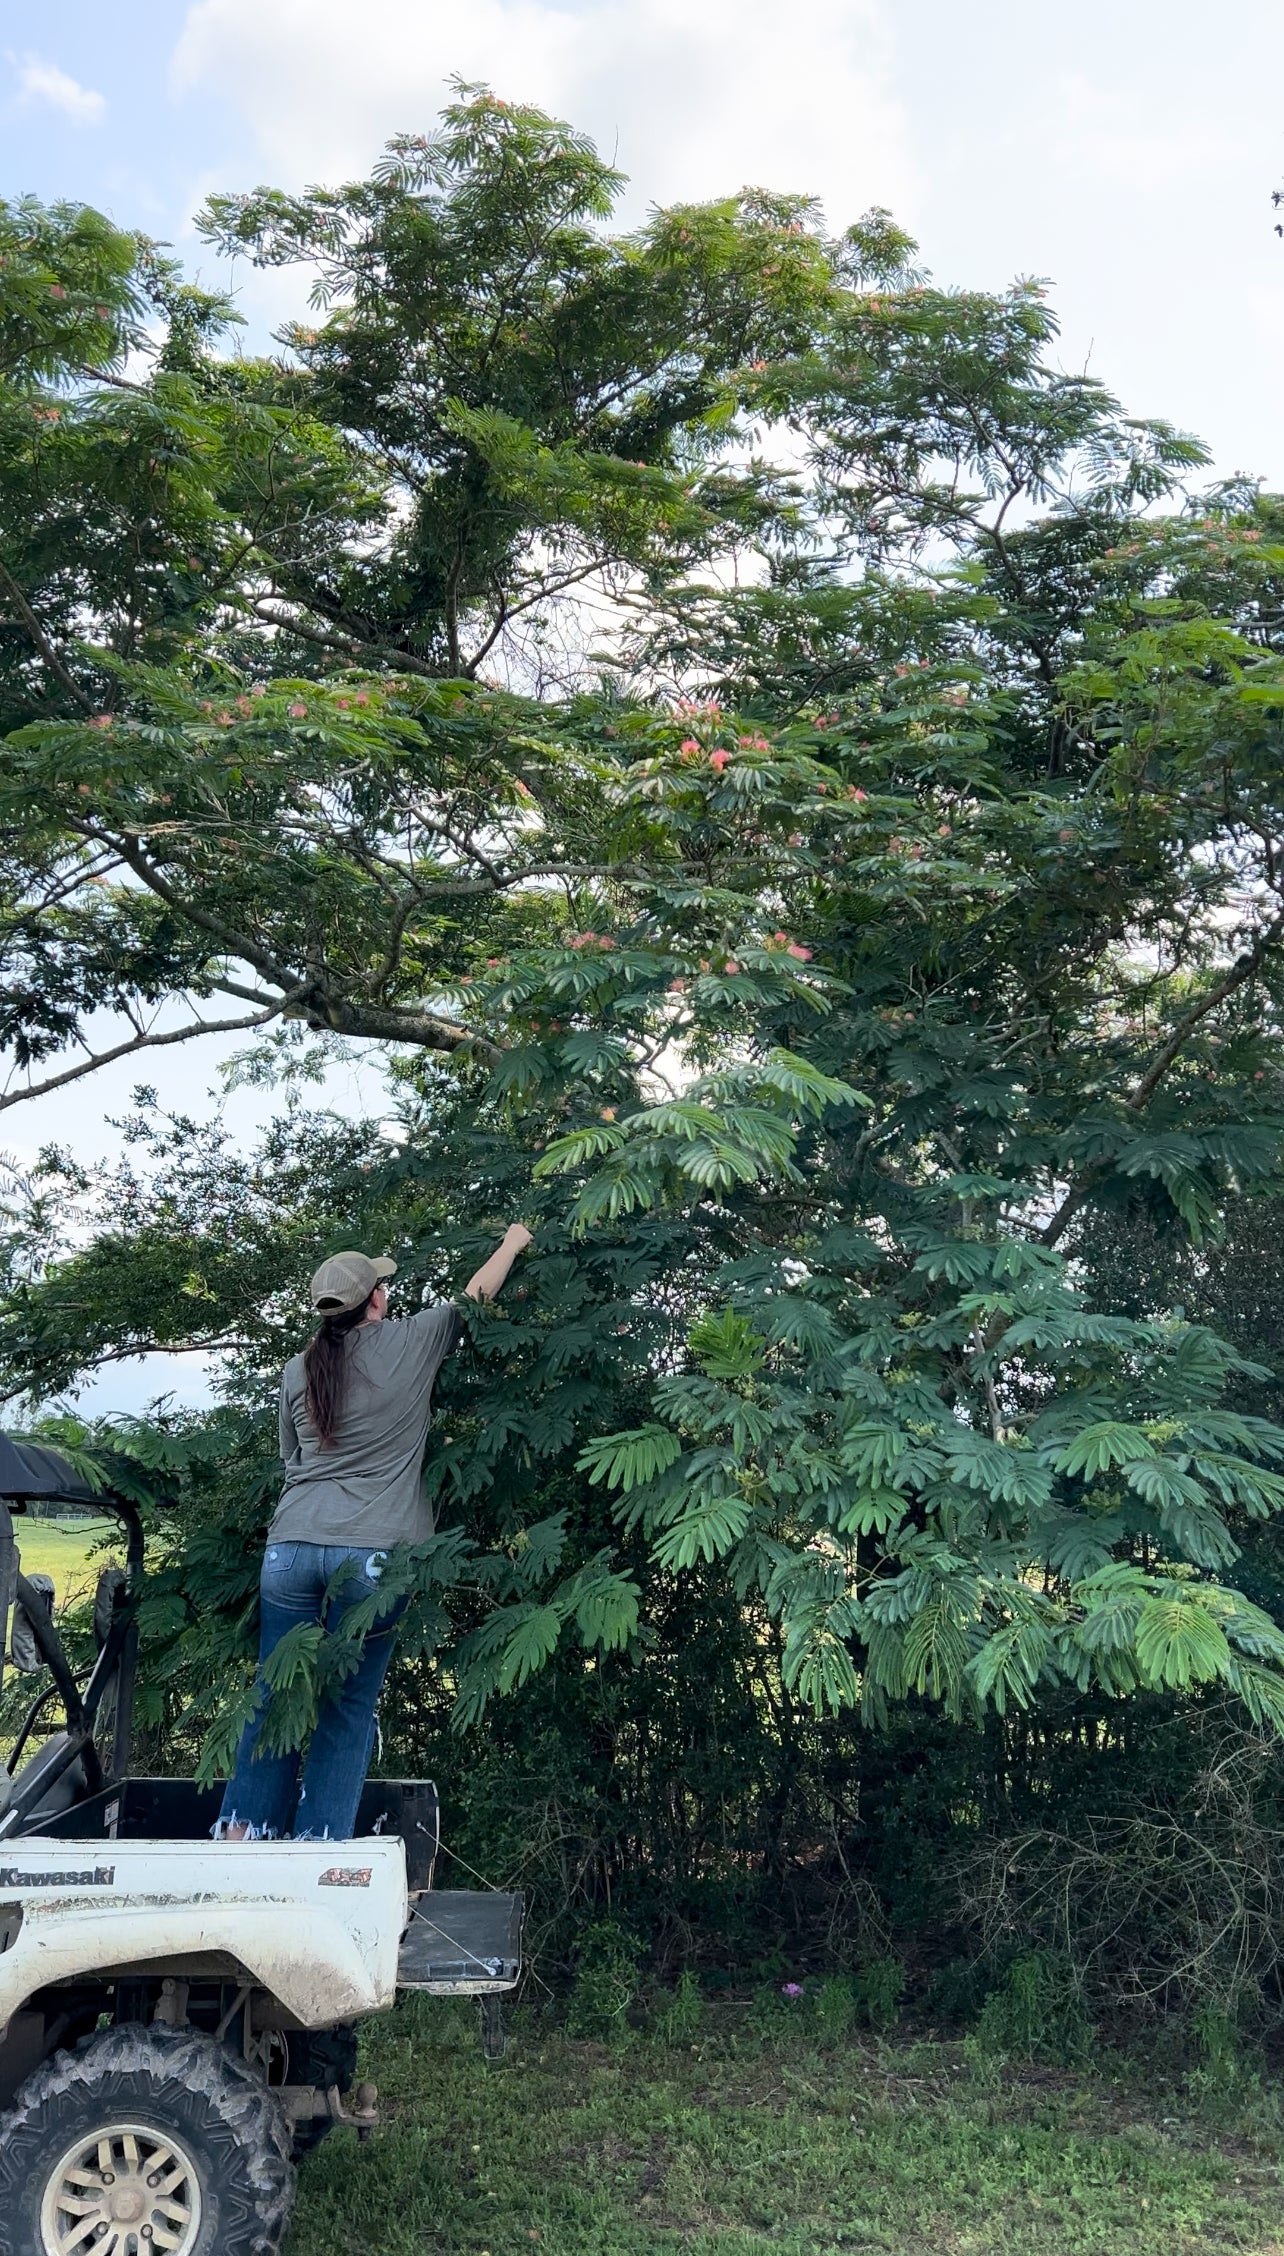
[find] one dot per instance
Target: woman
(355, 1410)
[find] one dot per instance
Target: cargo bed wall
(177, 1809)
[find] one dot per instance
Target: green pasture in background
(69, 1550)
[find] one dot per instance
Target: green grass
(62, 1549)
(745, 2144)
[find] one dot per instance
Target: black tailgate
(462, 1941)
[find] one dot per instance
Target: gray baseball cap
(348, 1279)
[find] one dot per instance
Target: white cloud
(1097, 130)
(43, 82)
(692, 98)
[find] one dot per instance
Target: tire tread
(103, 2067)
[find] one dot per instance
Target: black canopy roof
(29, 1468)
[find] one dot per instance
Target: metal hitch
(306, 2103)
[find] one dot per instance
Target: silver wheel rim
(123, 2191)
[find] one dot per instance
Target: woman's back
(364, 1486)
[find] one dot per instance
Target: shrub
(879, 1988)
(1036, 2013)
(834, 2008)
(678, 2020)
(606, 1983)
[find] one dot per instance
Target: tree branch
(554, 586)
(129, 1354)
(1243, 969)
(236, 943)
(403, 660)
(127, 1049)
(42, 642)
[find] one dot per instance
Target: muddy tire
(162, 2137)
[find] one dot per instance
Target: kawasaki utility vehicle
(178, 2015)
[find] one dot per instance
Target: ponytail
(325, 1370)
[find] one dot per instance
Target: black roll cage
(31, 1472)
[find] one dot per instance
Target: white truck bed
(326, 1927)
(317, 1923)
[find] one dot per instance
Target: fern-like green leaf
(630, 1460)
(705, 1529)
(529, 1646)
(1097, 1447)
(1179, 1643)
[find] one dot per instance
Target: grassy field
(62, 1549)
(740, 2144)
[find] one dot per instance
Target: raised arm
(488, 1279)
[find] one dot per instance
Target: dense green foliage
(794, 779)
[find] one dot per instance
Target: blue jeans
(263, 1790)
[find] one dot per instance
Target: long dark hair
(325, 1370)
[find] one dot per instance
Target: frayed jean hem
(221, 1829)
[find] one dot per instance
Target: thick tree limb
(311, 998)
(422, 1028)
(234, 942)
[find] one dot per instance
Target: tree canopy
(793, 779)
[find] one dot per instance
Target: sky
(1123, 150)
